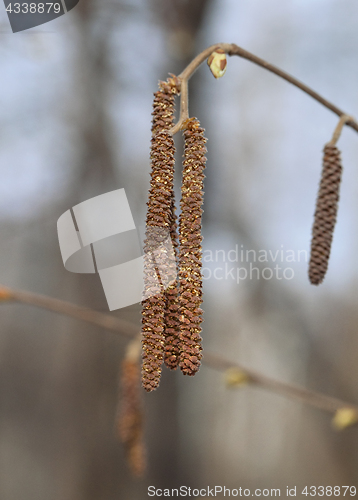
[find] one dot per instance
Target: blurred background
(75, 100)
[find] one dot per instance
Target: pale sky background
(315, 41)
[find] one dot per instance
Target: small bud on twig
(217, 63)
(235, 377)
(345, 417)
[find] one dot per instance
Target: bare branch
(130, 330)
(311, 398)
(234, 50)
(102, 320)
(338, 130)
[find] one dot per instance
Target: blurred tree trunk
(59, 377)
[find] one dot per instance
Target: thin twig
(108, 322)
(338, 130)
(320, 401)
(184, 102)
(234, 50)
(102, 320)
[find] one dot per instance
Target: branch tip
(5, 294)
(344, 120)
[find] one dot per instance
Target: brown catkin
(325, 214)
(171, 315)
(190, 253)
(130, 420)
(160, 223)
(171, 312)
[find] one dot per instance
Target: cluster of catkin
(171, 314)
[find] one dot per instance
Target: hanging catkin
(325, 214)
(171, 315)
(160, 223)
(130, 425)
(190, 279)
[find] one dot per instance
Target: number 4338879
(33, 8)
(329, 491)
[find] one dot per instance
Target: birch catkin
(130, 422)
(171, 314)
(159, 224)
(325, 214)
(190, 253)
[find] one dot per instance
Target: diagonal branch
(130, 330)
(102, 320)
(311, 398)
(234, 50)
